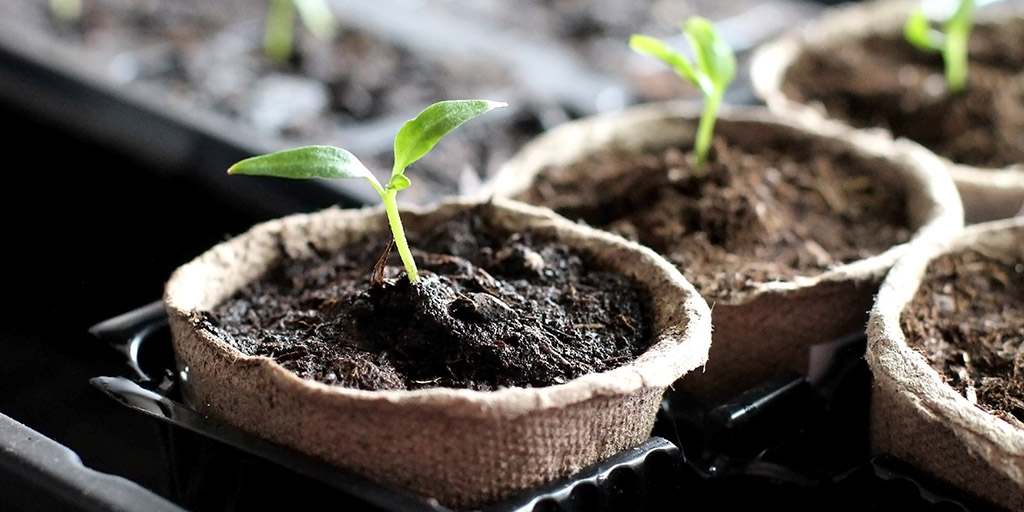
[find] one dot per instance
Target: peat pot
(944, 351)
(853, 67)
(464, 447)
(787, 235)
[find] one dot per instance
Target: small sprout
(278, 33)
(950, 41)
(416, 137)
(66, 11)
(712, 72)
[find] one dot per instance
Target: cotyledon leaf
(307, 162)
(417, 136)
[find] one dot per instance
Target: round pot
(916, 414)
(988, 192)
(774, 327)
(464, 448)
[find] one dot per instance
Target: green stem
(277, 34)
(391, 206)
(704, 130)
(955, 58)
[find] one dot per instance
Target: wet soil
(492, 309)
(967, 319)
(756, 216)
(885, 82)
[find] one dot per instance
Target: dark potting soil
(885, 82)
(492, 309)
(755, 217)
(967, 319)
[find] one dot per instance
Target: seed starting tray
(786, 443)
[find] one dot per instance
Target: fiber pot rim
(680, 347)
(771, 60)
(891, 358)
(933, 202)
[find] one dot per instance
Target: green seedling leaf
(414, 139)
(418, 136)
(918, 31)
(951, 40)
(317, 17)
(307, 162)
(715, 58)
(399, 182)
(662, 51)
(712, 72)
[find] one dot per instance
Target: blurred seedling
(66, 11)
(279, 31)
(950, 40)
(712, 70)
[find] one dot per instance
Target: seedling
(416, 137)
(714, 68)
(279, 31)
(66, 11)
(950, 41)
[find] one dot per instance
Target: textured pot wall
(915, 415)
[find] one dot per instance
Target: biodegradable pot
(771, 327)
(461, 447)
(916, 414)
(988, 191)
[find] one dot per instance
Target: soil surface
(755, 217)
(492, 309)
(885, 82)
(967, 319)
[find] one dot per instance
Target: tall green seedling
(712, 70)
(416, 137)
(950, 40)
(279, 31)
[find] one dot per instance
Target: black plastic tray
(218, 468)
(784, 443)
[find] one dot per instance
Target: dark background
(90, 233)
